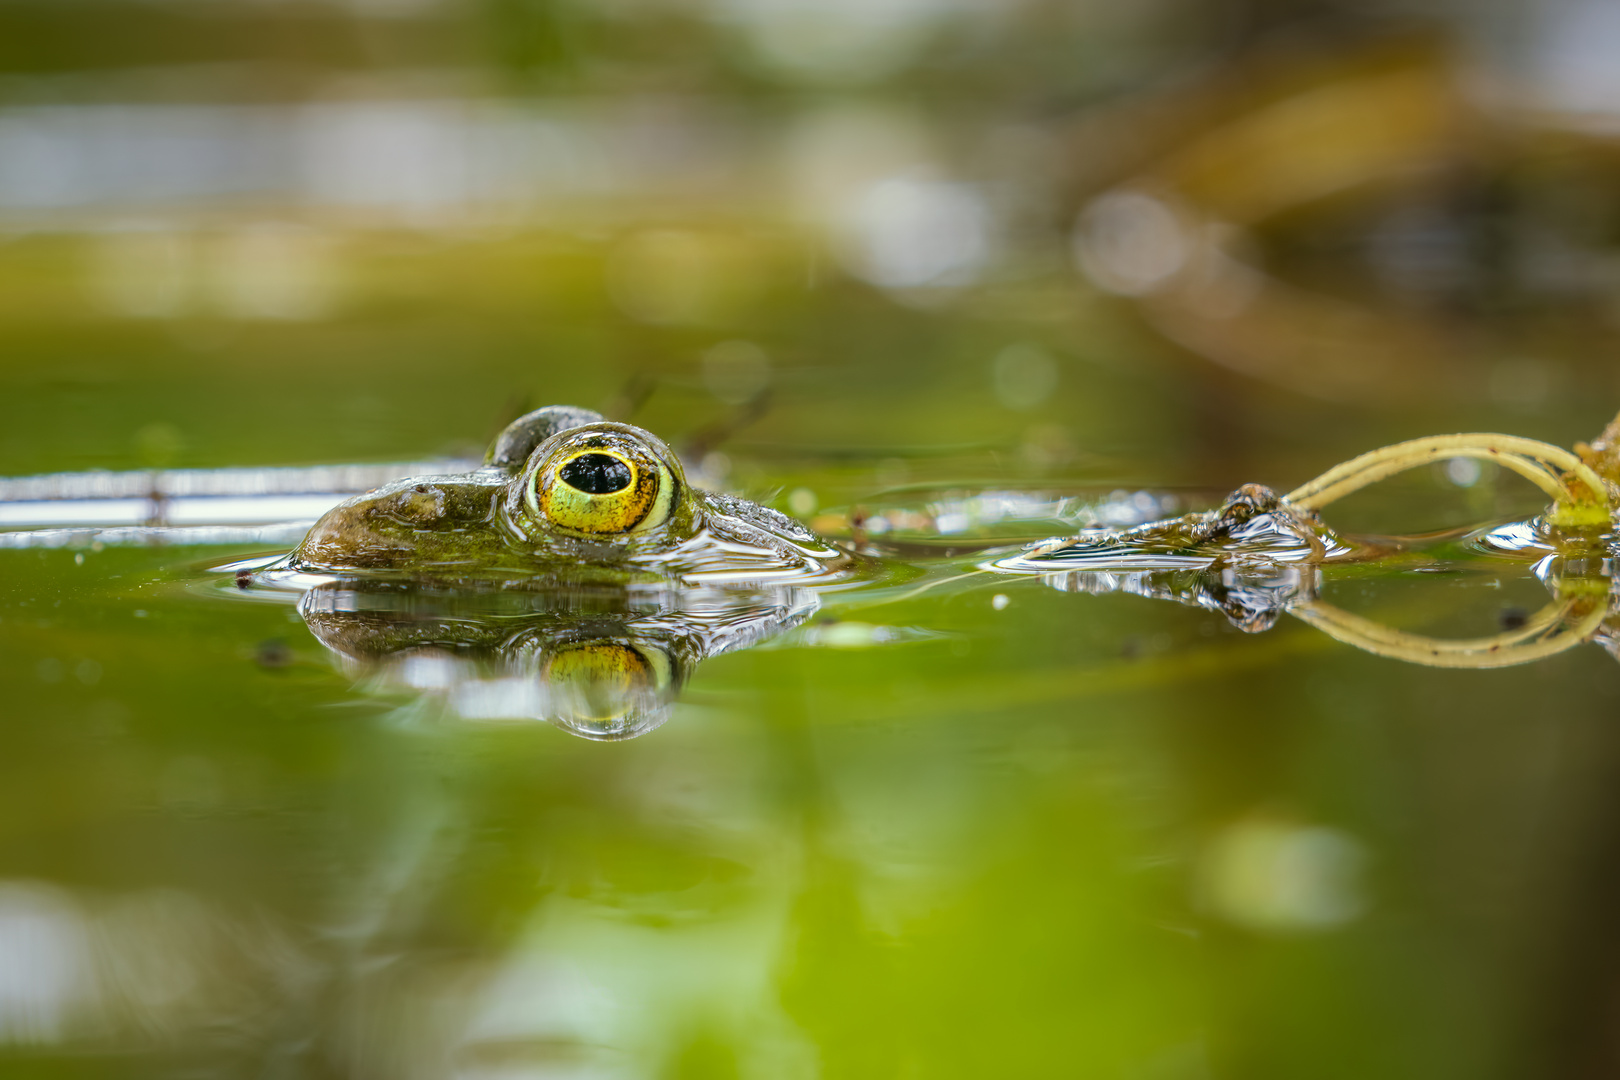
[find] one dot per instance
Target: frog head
(569, 495)
(586, 492)
(602, 483)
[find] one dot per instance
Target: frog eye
(603, 487)
(608, 689)
(603, 677)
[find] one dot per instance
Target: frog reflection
(568, 496)
(602, 662)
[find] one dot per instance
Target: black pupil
(596, 474)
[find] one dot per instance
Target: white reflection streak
(284, 533)
(197, 483)
(1572, 53)
(133, 967)
(423, 161)
(247, 510)
(406, 156)
(185, 506)
(46, 978)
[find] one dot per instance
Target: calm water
(941, 823)
(949, 826)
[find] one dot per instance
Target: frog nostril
(596, 474)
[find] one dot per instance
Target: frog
(576, 576)
(566, 496)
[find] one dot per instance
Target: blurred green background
(1033, 244)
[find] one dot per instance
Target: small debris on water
(1513, 618)
(244, 578)
(1000, 601)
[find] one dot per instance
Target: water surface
(960, 824)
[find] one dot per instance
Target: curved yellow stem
(1580, 497)
(1549, 631)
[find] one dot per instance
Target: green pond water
(986, 828)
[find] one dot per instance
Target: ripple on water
(1515, 540)
(1265, 539)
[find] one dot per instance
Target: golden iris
(603, 489)
(601, 678)
(607, 665)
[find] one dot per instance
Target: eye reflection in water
(601, 662)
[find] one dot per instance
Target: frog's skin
(524, 515)
(1251, 559)
(1252, 526)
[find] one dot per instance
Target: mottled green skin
(477, 526)
(1252, 521)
